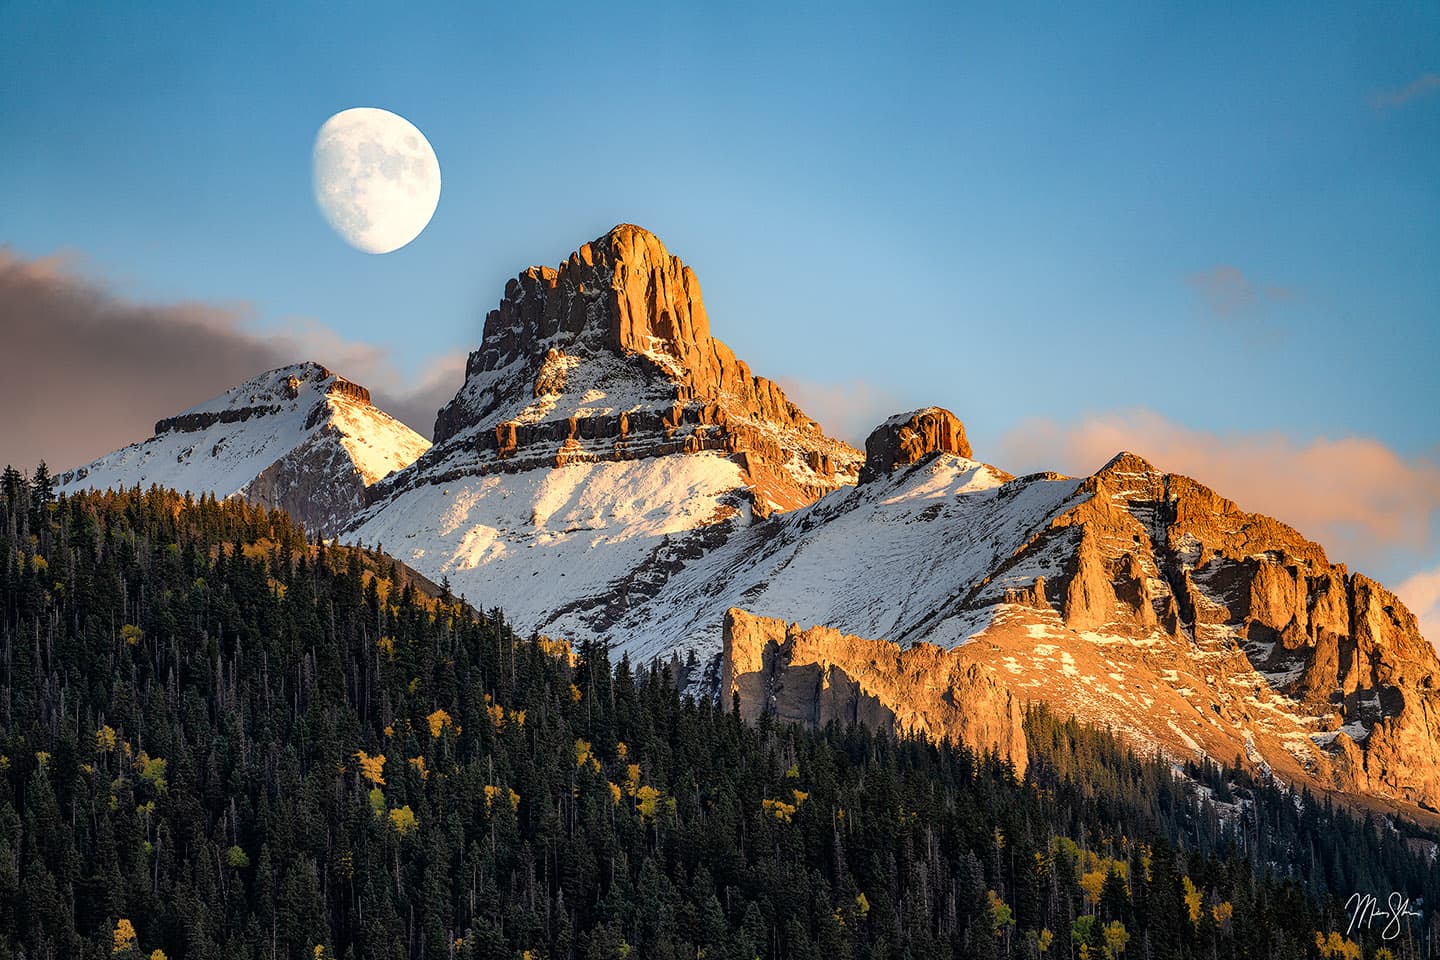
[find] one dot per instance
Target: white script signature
(1364, 909)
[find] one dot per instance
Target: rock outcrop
(816, 675)
(908, 438)
(1324, 671)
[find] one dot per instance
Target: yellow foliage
(862, 903)
(389, 731)
(496, 713)
(800, 796)
(794, 772)
(492, 791)
(1116, 938)
(615, 793)
(131, 634)
(152, 770)
(632, 778)
(438, 721)
(43, 756)
(158, 955)
(1192, 899)
(1092, 882)
(403, 820)
(124, 936)
(1336, 947)
(621, 750)
(377, 802)
(575, 694)
(646, 799)
(105, 738)
(779, 809)
(387, 646)
(372, 768)
(1043, 941)
(419, 764)
(1222, 912)
(560, 649)
(582, 752)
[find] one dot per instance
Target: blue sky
(1227, 216)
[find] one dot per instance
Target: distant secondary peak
(272, 392)
(1127, 462)
(908, 438)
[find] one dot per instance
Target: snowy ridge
(300, 437)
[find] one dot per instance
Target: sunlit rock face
(818, 675)
(609, 356)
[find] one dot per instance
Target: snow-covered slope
(609, 470)
(299, 437)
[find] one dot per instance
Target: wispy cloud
(1421, 86)
(83, 371)
(1229, 292)
(1363, 501)
(847, 410)
(1421, 593)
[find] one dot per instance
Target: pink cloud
(1356, 496)
(1421, 593)
(847, 410)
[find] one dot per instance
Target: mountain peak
(299, 437)
(608, 356)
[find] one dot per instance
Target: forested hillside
(220, 740)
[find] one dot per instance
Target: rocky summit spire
(609, 356)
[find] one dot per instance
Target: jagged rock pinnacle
(907, 438)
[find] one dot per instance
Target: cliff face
(609, 357)
(816, 675)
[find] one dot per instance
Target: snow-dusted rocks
(602, 440)
(609, 357)
(908, 437)
(611, 470)
(300, 438)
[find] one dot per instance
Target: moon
(376, 178)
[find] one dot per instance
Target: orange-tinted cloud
(83, 372)
(1424, 84)
(847, 410)
(1229, 292)
(1357, 497)
(1421, 593)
